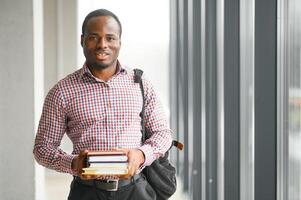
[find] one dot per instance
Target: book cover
(107, 156)
(107, 159)
(103, 153)
(105, 171)
(108, 164)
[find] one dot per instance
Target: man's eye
(110, 38)
(92, 38)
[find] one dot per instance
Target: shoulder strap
(138, 79)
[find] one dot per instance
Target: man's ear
(82, 40)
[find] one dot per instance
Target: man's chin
(100, 65)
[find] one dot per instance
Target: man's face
(101, 42)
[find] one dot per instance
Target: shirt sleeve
(156, 123)
(51, 129)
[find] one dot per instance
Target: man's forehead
(105, 18)
(102, 21)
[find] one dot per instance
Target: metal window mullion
(173, 51)
(195, 59)
(183, 88)
(190, 91)
(282, 102)
(265, 182)
(220, 100)
(211, 101)
(231, 100)
(203, 100)
(247, 39)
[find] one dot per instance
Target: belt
(108, 185)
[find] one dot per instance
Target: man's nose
(102, 43)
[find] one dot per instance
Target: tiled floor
(57, 187)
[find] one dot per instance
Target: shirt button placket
(108, 113)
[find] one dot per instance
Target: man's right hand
(78, 162)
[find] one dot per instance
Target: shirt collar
(85, 71)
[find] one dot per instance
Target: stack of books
(106, 163)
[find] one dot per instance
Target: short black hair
(97, 13)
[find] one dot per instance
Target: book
(107, 159)
(105, 171)
(107, 156)
(106, 163)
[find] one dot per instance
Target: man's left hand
(135, 159)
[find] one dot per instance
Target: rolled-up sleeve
(51, 129)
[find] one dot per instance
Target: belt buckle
(115, 182)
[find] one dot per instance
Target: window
(289, 66)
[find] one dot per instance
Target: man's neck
(104, 74)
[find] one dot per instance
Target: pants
(137, 190)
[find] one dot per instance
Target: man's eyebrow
(112, 34)
(108, 34)
(92, 33)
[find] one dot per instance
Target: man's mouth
(102, 55)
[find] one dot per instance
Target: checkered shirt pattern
(99, 116)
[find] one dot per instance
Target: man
(98, 107)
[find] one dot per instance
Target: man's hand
(79, 161)
(135, 159)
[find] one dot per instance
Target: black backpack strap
(138, 79)
(138, 75)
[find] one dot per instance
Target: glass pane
(290, 115)
(294, 99)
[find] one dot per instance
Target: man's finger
(122, 149)
(132, 172)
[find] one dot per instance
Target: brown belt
(108, 185)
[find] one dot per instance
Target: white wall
(60, 46)
(20, 71)
(145, 37)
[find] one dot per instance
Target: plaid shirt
(99, 116)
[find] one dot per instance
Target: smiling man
(101, 41)
(98, 107)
